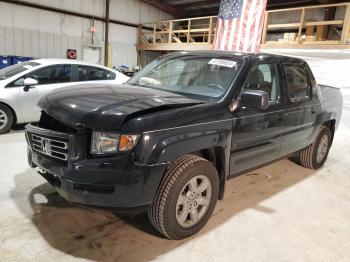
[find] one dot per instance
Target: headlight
(108, 142)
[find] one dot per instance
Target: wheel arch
(216, 155)
(331, 124)
(213, 144)
(12, 111)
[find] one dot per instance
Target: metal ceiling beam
(107, 5)
(170, 9)
(199, 3)
(67, 12)
(286, 4)
(198, 7)
(201, 12)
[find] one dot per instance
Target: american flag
(239, 25)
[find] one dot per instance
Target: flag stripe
(240, 28)
(239, 25)
(259, 25)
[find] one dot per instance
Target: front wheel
(186, 198)
(6, 119)
(316, 154)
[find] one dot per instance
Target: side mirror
(254, 99)
(29, 83)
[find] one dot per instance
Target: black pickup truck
(169, 139)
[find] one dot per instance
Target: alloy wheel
(3, 119)
(322, 148)
(193, 201)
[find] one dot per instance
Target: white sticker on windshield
(28, 66)
(222, 62)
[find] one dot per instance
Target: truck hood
(101, 106)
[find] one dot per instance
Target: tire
(167, 208)
(311, 157)
(6, 119)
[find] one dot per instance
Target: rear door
(302, 106)
(257, 134)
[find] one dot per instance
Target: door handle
(27, 88)
(313, 110)
(282, 116)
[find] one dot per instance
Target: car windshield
(16, 69)
(205, 76)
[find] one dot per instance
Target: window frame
(297, 100)
(76, 73)
(278, 78)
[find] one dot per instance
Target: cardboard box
(321, 32)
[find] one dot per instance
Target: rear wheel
(316, 154)
(6, 119)
(186, 198)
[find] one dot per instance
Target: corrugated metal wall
(26, 31)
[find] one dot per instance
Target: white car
(22, 85)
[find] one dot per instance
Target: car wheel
(6, 119)
(186, 197)
(316, 154)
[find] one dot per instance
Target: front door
(257, 134)
(49, 79)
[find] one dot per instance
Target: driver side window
(264, 77)
(48, 75)
(52, 74)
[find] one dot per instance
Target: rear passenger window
(297, 82)
(89, 73)
(264, 77)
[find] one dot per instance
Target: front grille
(54, 148)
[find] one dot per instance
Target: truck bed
(332, 101)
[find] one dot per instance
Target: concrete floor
(279, 213)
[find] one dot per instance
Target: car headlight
(110, 142)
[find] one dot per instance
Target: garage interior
(282, 212)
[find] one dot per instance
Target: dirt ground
(282, 212)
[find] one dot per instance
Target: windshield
(16, 69)
(209, 77)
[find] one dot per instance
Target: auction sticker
(222, 62)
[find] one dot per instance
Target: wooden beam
(189, 32)
(319, 45)
(346, 26)
(210, 30)
(302, 19)
(264, 33)
(154, 33)
(331, 22)
(170, 9)
(289, 25)
(170, 32)
(325, 42)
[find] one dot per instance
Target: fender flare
(165, 147)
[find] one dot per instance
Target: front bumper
(119, 181)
